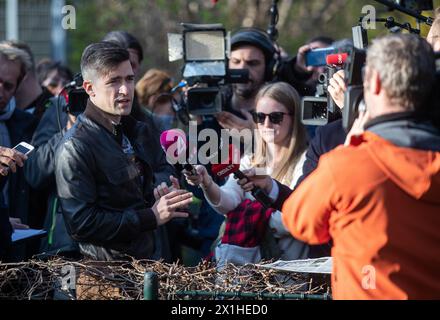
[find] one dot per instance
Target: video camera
(75, 96)
(318, 110)
(321, 109)
(354, 95)
(354, 68)
(205, 50)
(416, 5)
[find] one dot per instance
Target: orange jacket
(381, 206)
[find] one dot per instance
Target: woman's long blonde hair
(288, 97)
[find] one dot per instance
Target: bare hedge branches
(125, 280)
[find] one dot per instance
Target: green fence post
(151, 286)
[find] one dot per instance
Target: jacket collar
(103, 119)
(406, 129)
(390, 118)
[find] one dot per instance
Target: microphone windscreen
(231, 165)
(224, 170)
(336, 59)
(173, 142)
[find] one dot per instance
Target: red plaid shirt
(246, 224)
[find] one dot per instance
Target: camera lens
(319, 111)
(322, 78)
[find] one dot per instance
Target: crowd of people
(101, 187)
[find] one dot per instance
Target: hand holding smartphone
(24, 148)
(10, 158)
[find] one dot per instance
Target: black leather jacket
(106, 204)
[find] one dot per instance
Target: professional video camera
(321, 109)
(416, 5)
(205, 50)
(354, 96)
(75, 96)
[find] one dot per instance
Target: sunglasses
(274, 117)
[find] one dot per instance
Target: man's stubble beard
(246, 91)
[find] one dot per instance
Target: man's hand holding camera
(337, 88)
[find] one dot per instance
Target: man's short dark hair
(46, 66)
(101, 58)
(126, 41)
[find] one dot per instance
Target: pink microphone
(174, 144)
(173, 140)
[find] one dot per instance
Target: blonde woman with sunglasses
(280, 138)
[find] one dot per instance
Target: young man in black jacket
(104, 182)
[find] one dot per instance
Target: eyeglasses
(274, 117)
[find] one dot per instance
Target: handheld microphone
(336, 58)
(224, 170)
(174, 144)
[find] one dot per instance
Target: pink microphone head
(336, 59)
(173, 142)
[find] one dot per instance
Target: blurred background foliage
(151, 20)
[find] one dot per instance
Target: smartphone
(316, 57)
(24, 148)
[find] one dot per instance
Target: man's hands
(252, 181)
(166, 208)
(169, 200)
(337, 88)
(10, 159)
(230, 121)
(163, 189)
